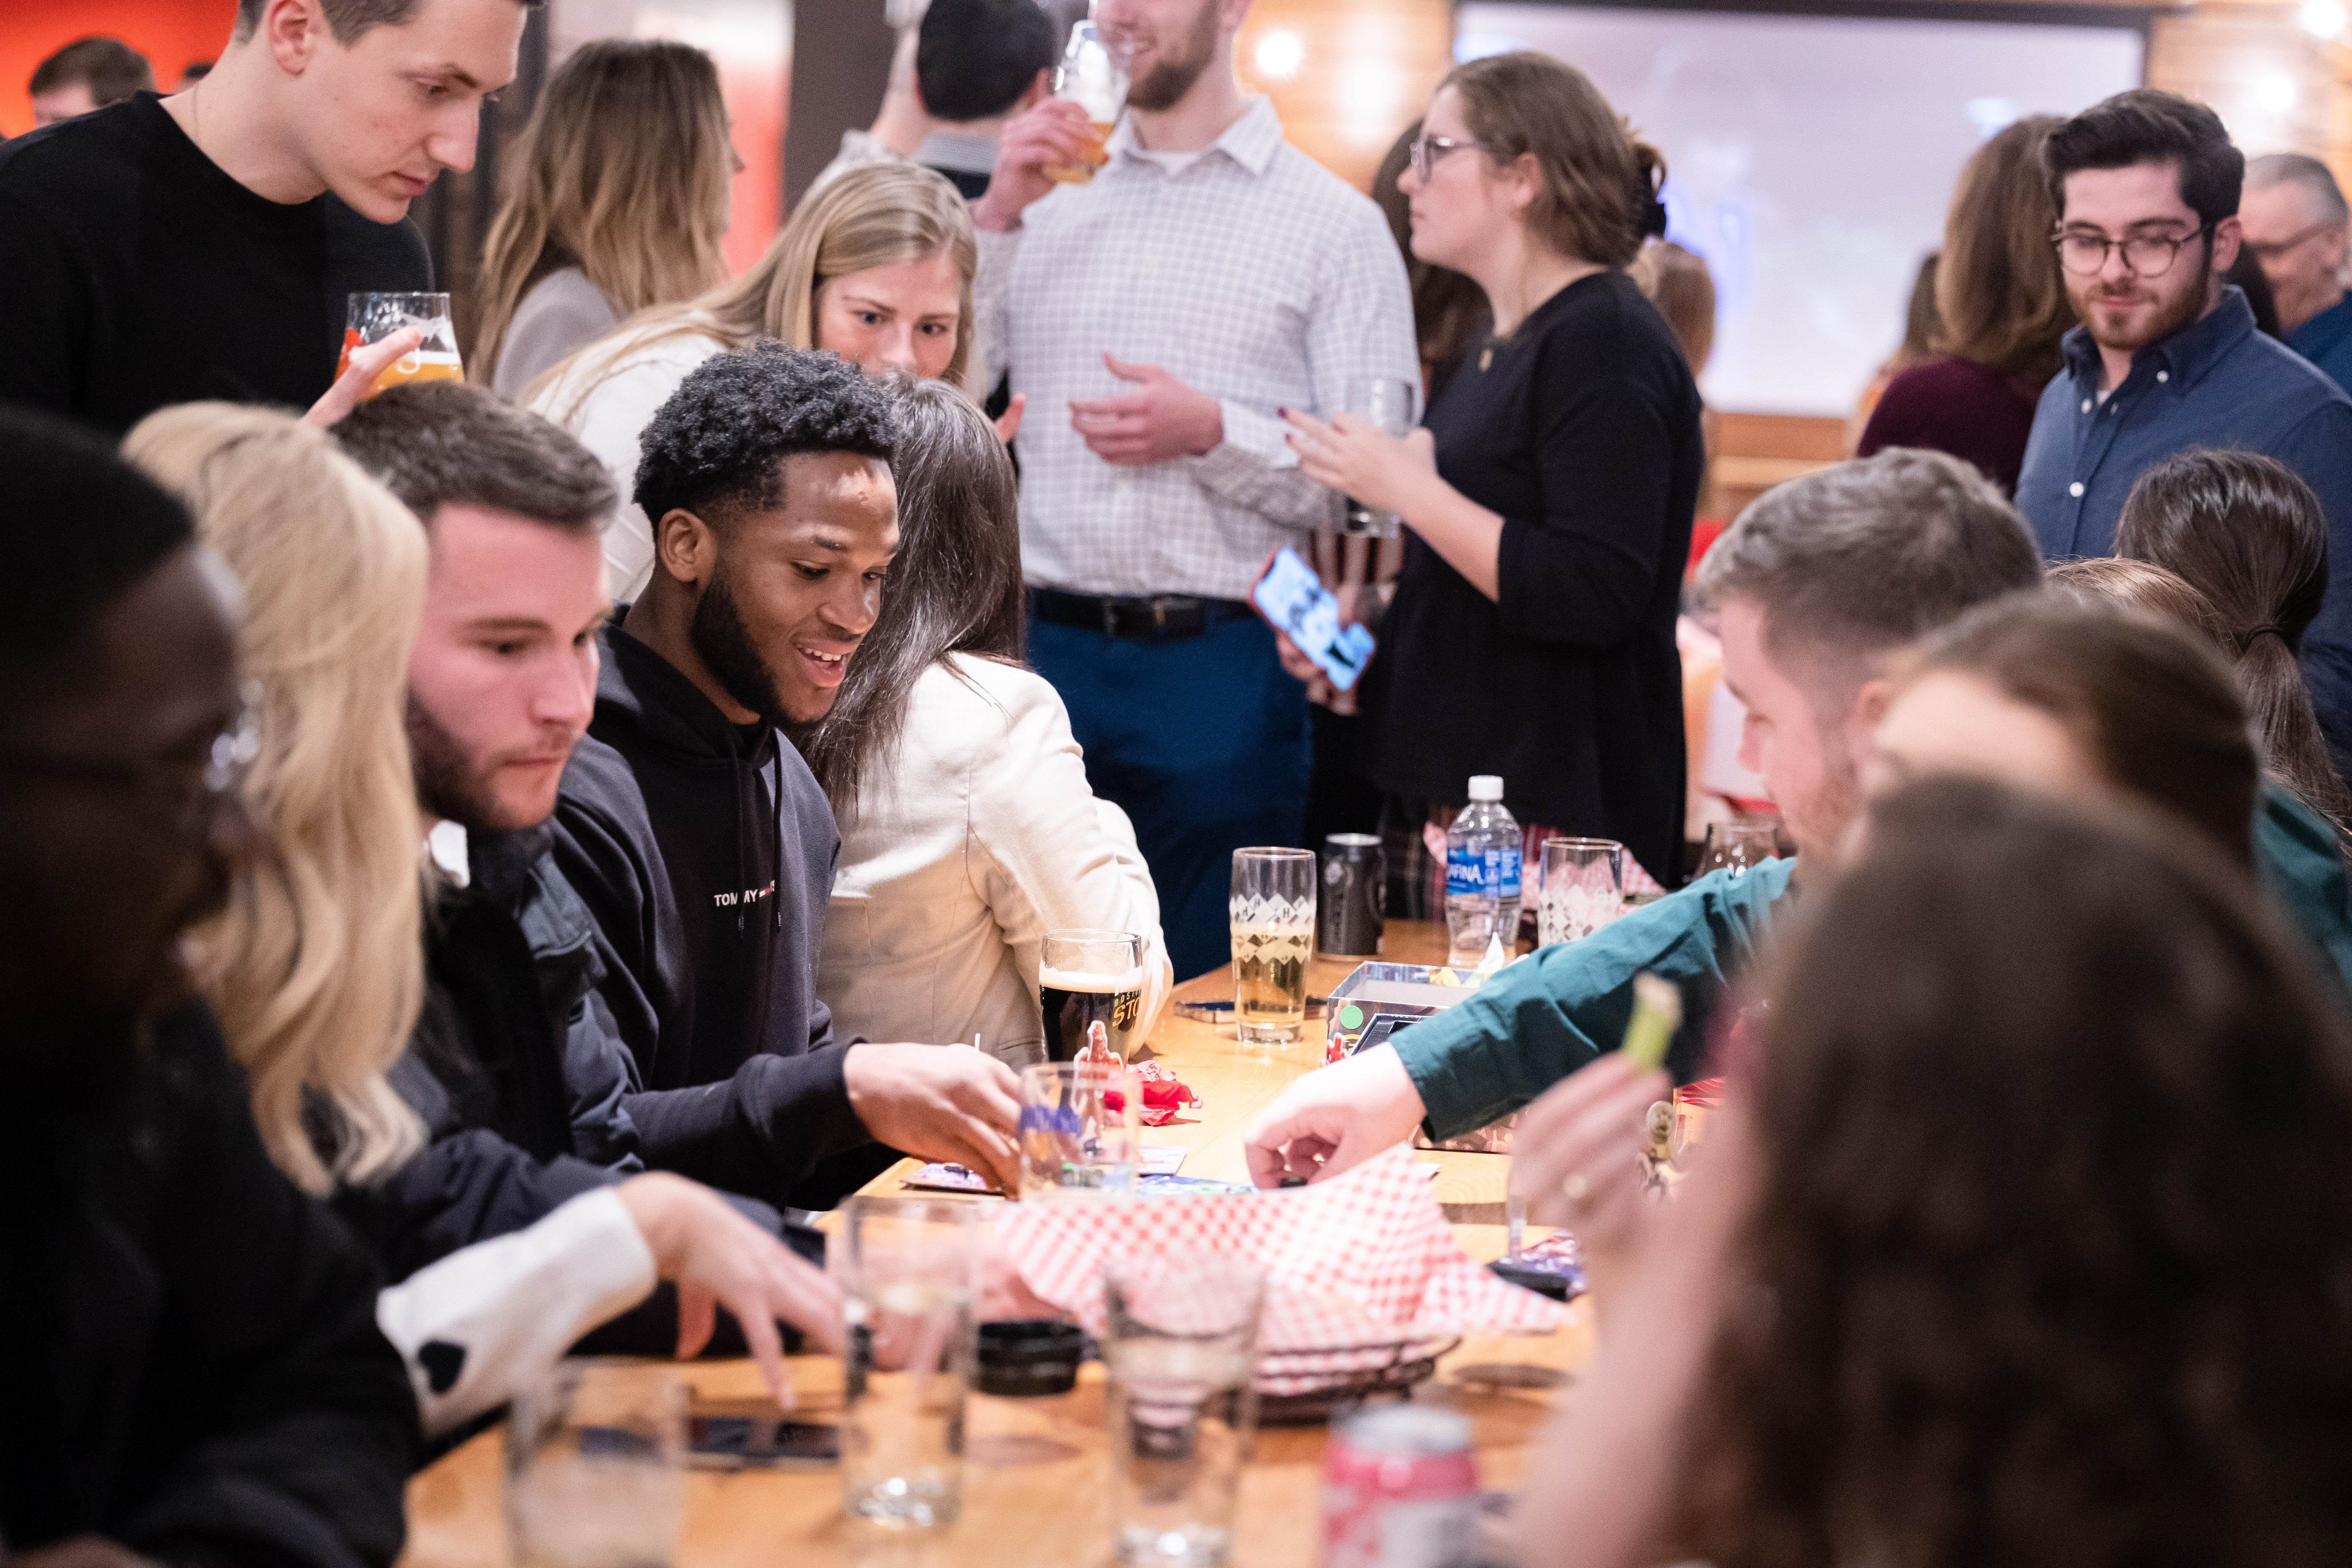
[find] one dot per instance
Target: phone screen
(1294, 600)
(761, 1440)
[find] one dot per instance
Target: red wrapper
(1164, 1094)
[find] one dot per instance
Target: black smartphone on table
(740, 1442)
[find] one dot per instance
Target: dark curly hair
(2050, 1261)
(717, 448)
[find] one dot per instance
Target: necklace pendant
(1486, 356)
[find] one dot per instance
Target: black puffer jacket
(515, 1066)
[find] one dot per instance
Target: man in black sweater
(194, 1374)
(701, 842)
(513, 1067)
(206, 244)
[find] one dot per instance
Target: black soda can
(1348, 915)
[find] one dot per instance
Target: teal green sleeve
(2300, 865)
(1557, 1009)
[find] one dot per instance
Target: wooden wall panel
(2271, 81)
(1365, 70)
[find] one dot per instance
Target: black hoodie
(705, 852)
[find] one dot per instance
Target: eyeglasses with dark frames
(2083, 252)
(1427, 149)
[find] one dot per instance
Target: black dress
(1582, 430)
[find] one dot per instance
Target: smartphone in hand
(1295, 602)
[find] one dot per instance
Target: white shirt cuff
(491, 1319)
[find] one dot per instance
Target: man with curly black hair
(700, 841)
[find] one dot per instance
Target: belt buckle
(1110, 617)
(1159, 617)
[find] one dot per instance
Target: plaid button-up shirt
(1252, 275)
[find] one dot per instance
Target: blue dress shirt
(2215, 383)
(2325, 340)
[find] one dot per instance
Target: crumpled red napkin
(1164, 1094)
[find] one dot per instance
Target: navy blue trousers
(1203, 743)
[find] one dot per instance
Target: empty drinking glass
(909, 1273)
(1077, 1129)
(1738, 846)
(1385, 404)
(593, 1453)
(1094, 76)
(1584, 888)
(375, 317)
(1273, 910)
(1180, 1349)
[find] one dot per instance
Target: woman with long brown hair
(2022, 1238)
(616, 201)
(1550, 502)
(2000, 309)
(967, 827)
(877, 267)
(2248, 535)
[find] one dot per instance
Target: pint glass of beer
(1086, 977)
(1273, 912)
(375, 317)
(1094, 78)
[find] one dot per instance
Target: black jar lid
(1025, 1358)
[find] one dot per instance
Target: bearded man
(2147, 186)
(1157, 317)
(697, 836)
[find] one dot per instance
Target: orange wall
(170, 33)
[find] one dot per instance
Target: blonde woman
(618, 202)
(877, 267)
(316, 969)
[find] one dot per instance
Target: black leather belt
(1161, 617)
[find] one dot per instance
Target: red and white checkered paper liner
(1365, 1259)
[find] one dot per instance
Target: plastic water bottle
(1482, 874)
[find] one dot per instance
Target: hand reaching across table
(1333, 1119)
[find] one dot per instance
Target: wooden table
(1036, 1472)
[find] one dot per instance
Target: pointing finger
(696, 1316)
(766, 1345)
